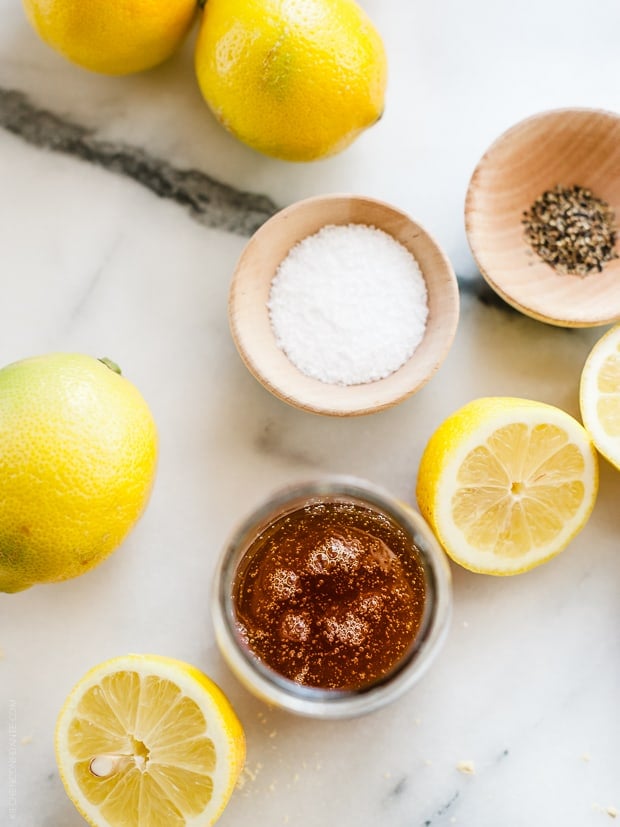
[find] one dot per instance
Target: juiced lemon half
(145, 740)
(600, 395)
(507, 483)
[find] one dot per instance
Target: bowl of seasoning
(331, 599)
(542, 212)
(343, 305)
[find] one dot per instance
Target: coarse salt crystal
(348, 305)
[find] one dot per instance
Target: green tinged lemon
(78, 451)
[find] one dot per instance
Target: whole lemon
(115, 38)
(296, 79)
(78, 450)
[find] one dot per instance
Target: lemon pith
(112, 38)
(599, 395)
(78, 453)
(507, 483)
(296, 80)
(164, 738)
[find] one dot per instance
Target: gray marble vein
(209, 201)
(94, 280)
(441, 811)
(271, 441)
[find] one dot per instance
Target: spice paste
(331, 595)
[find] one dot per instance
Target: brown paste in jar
(331, 595)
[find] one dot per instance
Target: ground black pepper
(572, 230)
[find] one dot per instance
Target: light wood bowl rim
(448, 318)
(473, 190)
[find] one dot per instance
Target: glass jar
(277, 690)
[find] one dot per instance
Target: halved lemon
(599, 395)
(145, 741)
(507, 483)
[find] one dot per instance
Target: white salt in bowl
(253, 333)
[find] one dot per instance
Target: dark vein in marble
(399, 788)
(443, 809)
(270, 442)
(94, 280)
(208, 201)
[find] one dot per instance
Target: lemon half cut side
(599, 395)
(507, 483)
(146, 740)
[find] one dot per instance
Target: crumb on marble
(417, 721)
(27, 739)
(248, 775)
(586, 757)
(466, 767)
(387, 774)
(612, 812)
(428, 762)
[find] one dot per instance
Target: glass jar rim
(314, 701)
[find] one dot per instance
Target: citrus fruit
(296, 79)
(600, 395)
(146, 741)
(112, 37)
(78, 450)
(507, 483)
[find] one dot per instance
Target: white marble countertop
(93, 260)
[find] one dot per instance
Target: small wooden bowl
(251, 327)
(566, 147)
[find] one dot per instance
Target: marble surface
(123, 209)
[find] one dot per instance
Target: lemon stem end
(110, 364)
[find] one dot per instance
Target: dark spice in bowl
(572, 230)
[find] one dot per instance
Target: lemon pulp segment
(507, 483)
(518, 490)
(142, 746)
(600, 395)
(608, 405)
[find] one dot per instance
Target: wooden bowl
(566, 147)
(251, 327)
